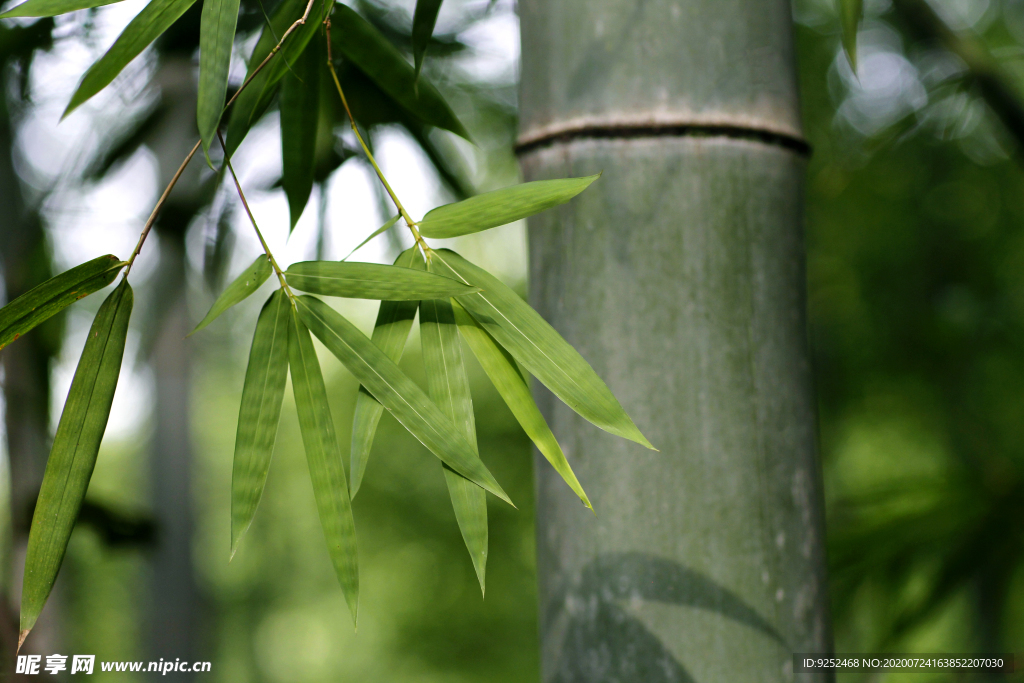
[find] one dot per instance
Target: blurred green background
(915, 254)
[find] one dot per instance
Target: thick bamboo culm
(679, 276)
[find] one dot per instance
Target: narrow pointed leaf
(850, 14)
(146, 27)
(216, 38)
(244, 285)
(503, 372)
(358, 40)
(399, 394)
(371, 281)
(51, 8)
(448, 388)
(491, 209)
(300, 112)
(541, 350)
(53, 296)
(73, 454)
(390, 332)
(379, 231)
(256, 98)
(324, 457)
(423, 21)
(259, 412)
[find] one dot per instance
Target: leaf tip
(353, 607)
(72, 105)
(21, 638)
(637, 436)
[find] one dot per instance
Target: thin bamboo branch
(181, 169)
(159, 204)
(252, 219)
(366, 150)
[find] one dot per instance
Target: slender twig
(298, 22)
(159, 204)
(181, 169)
(366, 150)
(252, 219)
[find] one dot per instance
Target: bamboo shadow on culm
(593, 614)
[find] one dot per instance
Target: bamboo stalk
(680, 277)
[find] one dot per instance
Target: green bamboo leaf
(324, 457)
(53, 296)
(359, 41)
(244, 285)
(73, 454)
(399, 394)
(300, 113)
(379, 231)
(850, 14)
(216, 38)
(259, 412)
(423, 21)
(51, 8)
(256, 98)
(491, 209)
(152, 21)
(541, 350)
(503, 372)
(370, 281)
(390, 332)
(448, 388)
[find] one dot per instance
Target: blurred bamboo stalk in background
(680, 277)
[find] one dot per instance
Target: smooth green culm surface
(73, 454)
(680, 278)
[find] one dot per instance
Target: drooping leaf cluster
(309, 50)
